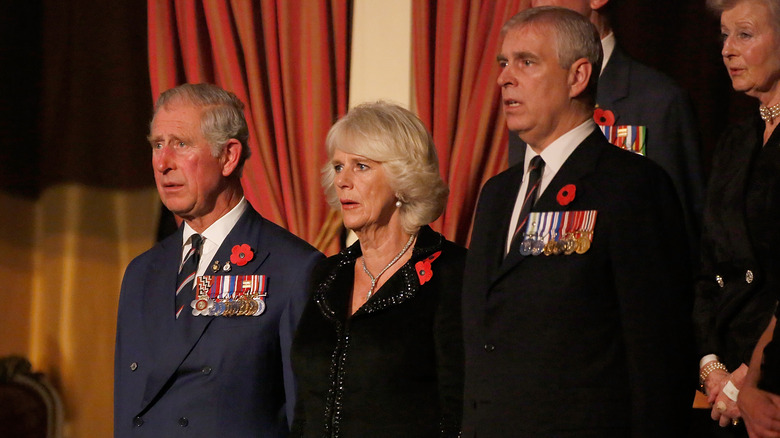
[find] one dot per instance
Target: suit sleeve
(299, 290)
(449, 341)
(688, 179)
(648, 245)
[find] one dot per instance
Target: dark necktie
(536, 167)
(187, 273)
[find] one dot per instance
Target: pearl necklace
(392, 262)
(768, 114)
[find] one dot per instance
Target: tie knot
(536, 162)
(197, 241)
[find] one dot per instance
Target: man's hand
(761, 411)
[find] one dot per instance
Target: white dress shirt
(607, 46)
(213, 236)
(554, 155)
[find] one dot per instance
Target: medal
(215, 266)
(230, 295)
(558, 232)
(260, 306)
(526, 246)
(629, 137)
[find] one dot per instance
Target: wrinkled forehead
(531, 36)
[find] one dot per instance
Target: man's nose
(162, 159)
(505, 77)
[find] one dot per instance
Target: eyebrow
(523, 54)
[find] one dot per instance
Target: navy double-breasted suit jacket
(584, 345)
(210, 376)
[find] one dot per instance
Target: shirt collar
(216, 233)
(607, 46)
(556, 153)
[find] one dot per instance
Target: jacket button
(719, 280)
(138, 421)
(749, 276)
(489, 347)
(183, 422)
(206, 370)
(133, 366)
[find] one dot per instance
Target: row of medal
(629, 137)
(230, 295)
(558, 232)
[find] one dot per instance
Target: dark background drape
(75, 97)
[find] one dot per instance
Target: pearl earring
(398, 204)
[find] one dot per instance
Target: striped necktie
(187, 273)
(536, 168)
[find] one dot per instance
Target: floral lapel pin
(603, 117)
(423, 267)
(241, 255)
(566, 194)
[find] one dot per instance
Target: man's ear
(598, 4)
(231, 153)
(579, 76)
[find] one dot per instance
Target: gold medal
(230, 308)
(548, 248)
(569, 245)
(583, 244)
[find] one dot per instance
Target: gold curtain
(63, 257)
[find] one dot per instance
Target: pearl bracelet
(710, 367)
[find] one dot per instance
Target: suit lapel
(614, 82)
(173, 339)
(165, 334)
(498, 225)
(580, 163)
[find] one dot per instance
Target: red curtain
(455, 43)
(288, 61)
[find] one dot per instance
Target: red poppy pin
(241, 254)
(566, 194)
(604, 117)
(423, 267)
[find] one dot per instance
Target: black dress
(738, 286)
(395, 367)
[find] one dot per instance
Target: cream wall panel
(381, 52)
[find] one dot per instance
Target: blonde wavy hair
(396, 138)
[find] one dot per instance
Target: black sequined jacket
(395, 367)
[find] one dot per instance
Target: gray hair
(719, 6)
(396, 138)
(575, 38)
(222, 117)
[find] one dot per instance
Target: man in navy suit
(639, 96)
(206, 317)
(577, 290)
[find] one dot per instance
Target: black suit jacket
(591, 345)
(639, 95)
(206, 376)
(740, 270)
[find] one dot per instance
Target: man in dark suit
(637, 95)
(577, 313)
(206, 317)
